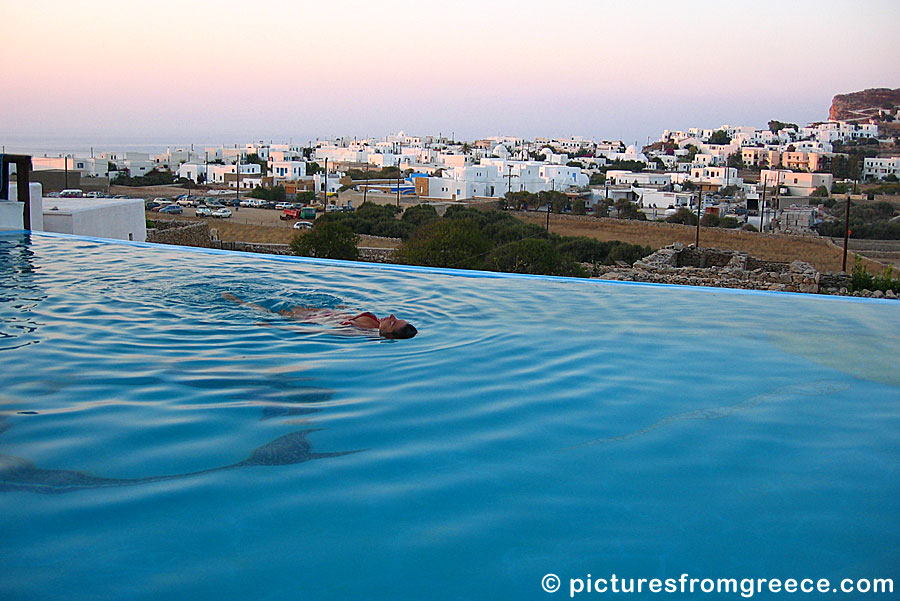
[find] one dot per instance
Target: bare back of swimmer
(387, 327)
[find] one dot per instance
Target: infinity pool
(160, 442)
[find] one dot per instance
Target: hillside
(868, 104)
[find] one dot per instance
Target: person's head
(391, 327)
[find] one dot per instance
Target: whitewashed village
(781, 179)
(792, 163)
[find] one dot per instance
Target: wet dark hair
(407, 331)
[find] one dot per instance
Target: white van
(72, 193)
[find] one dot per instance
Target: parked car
(203, 212)
(214, 204)
(172, 210)
(283, 205)
(222, 213)
(302, 225)
(151, 205)
(332, 208)
(247, 203)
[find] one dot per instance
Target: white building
(796, 183)
(217, 173)
(494, 177)
(715, 177)
(880, 168)
(121, 219)
(620, 177)
(87, 166)
(658, 199)
(193, 171)
(287, 170)
(838, 131)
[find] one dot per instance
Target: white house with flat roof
(117, 218)
(881, 167)
(797, 183)
(287, 170)
(192, 171)
(715, 177)
(216, 174)
(493, 177)
(616, 176)
(87, 166)
(839, 131)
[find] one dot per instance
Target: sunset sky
(224, 70)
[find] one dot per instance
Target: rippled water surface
(158, 441)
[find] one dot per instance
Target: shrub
(327, 240)
(455, 243)
(533, 256)
(709, 220)
(589, 250)
(683, 216)
(729, 222)
(419, 214)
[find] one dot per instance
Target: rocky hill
(878, 104)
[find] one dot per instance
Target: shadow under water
(18, 474)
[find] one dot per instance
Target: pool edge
(440, 270)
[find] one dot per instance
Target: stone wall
(691, 266)
(181, 233)
(377, 255)
(252, 247)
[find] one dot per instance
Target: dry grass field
(819, 252)
(261, 226)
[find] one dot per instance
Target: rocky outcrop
(861, 107)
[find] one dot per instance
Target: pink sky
(206, 70)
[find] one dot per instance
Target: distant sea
(82, 145)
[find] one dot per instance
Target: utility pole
(699, 204)
(762, 204)
(237, 198)
(366, 185)
(509, 182)
(398, 181)
(548, 216)
(846, 231)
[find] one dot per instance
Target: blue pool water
(534, 426)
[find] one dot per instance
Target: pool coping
(471, 273)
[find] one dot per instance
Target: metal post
(398, 182)
(325, 184)
(548, 216)
(66, 167)
(237, 197)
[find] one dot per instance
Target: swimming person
(387, 327)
